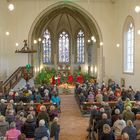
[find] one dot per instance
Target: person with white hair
(93, 114)
(55, 129)
(29, 127)
(118, 126)
(115, 116)
(42, 132)
(43, 114)
(101, 122)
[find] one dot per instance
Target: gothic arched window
(129, 46)
(46, 47)
(80, 47)
(63, 47)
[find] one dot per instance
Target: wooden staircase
(10, 83)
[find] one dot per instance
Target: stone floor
(73, 125)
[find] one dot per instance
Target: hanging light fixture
(11, 6)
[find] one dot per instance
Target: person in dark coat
(130, 130)
(93, 114)
(55, 129)
(115, 116)
(43, 115)
(120, 104)
(4, 126)
(42, 131)
(19, 122)
(100, 124)
(136, 108)
(107, 133)
(137, 96)
(53, 112)
(2, 107)
(29, 127)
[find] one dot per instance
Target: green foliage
(45, 76)
(76, 73)
(86, 76)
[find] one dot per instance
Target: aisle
(73, 125)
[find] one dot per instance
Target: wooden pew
(85, 107)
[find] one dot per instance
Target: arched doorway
(70, 19)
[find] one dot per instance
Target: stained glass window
(63, 47)
(46, 47)
(80, 47)
(129, 49)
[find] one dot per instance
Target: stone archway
(91, 26)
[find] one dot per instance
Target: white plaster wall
(110, 18)
(27, 10)
(3, 59)
(123, 9)
(103, 12)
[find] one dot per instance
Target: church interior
(75, 61)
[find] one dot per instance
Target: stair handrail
(14, 78)
(12, 75)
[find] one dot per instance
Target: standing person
(29, 127)
(70, 79)
(130, 130)
(42, 131)
(100, 124)
(13, 133)
(43, 115)
(53, 80)
(55, 129)
(59, 79)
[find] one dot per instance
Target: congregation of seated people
(30, 113)
(118, 122)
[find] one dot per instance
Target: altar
(66, 89)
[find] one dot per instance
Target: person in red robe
(80, 79)
(59, 79)
(70, 79)
(53, 80)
